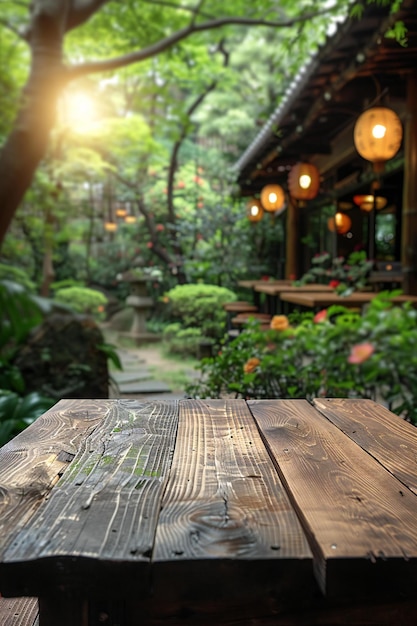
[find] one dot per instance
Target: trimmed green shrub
(200, 306)
(83, 300)
(182, 341)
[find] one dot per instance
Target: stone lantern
(141, 304)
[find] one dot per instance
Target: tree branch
(83, 69)
(175, 5)
(81, 11)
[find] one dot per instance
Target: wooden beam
(409, 214)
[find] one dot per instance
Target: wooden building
(357, 68)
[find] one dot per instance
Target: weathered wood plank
(387, 437)
(18, 612)
(105, 507)
(351, 508)
(225, 510)
(32, 462)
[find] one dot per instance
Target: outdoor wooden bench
(237, 307)
(198, 512)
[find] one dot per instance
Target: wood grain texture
(387, 437)
(18, 612)
(32, 462)
(227, 534)
(350, 506)
(224, 498)
(106, 506)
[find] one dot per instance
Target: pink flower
(361, 352)
(320, 316)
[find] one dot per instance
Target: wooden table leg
(63, 609)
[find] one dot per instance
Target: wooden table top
(324, 299)
(386, 277)
(218, 511)
(277, 289)
(251, 284)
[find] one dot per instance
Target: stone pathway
(136, 380)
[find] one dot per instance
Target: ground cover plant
(334, 353)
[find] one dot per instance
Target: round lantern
(367, 202)
(377, 135)
(111, 227)
(272, 197)
(304, 181)
(254, 210)
(340, 223)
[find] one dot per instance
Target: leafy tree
(144, 30)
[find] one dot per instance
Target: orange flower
(320, 316)
(251, 365)
(280, 322)
(100, 308)
(361, 352)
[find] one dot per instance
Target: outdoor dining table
(357, 299)
(274, 291)
(253, 283)
(261, 512)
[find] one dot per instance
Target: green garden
(121, 125)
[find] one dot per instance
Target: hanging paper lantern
(377, 135)
(111, 227)
(120, 210)
(130, 219)
(367, 202)
(304, 181)
(272, 197)
(254, 210)
(340, 223)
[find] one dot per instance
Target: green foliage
(20, 311)
(83, 300)
(337, 353)
(182, 341)
(66, 283)
(345, 274)
(16, 275)
(16, 412)
(198, 313)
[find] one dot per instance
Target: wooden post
(60, 608)
(409, 214)
(292, 240)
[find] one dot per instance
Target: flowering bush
(345, 275)
(335, 353)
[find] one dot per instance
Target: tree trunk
(28, 141)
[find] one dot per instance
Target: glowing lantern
(340, 223)
(304, 181)
(367, 202)
(377, 135)
(120, 212)
(272, 197)
(254, 210)
(111, 227)
(130, 219)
